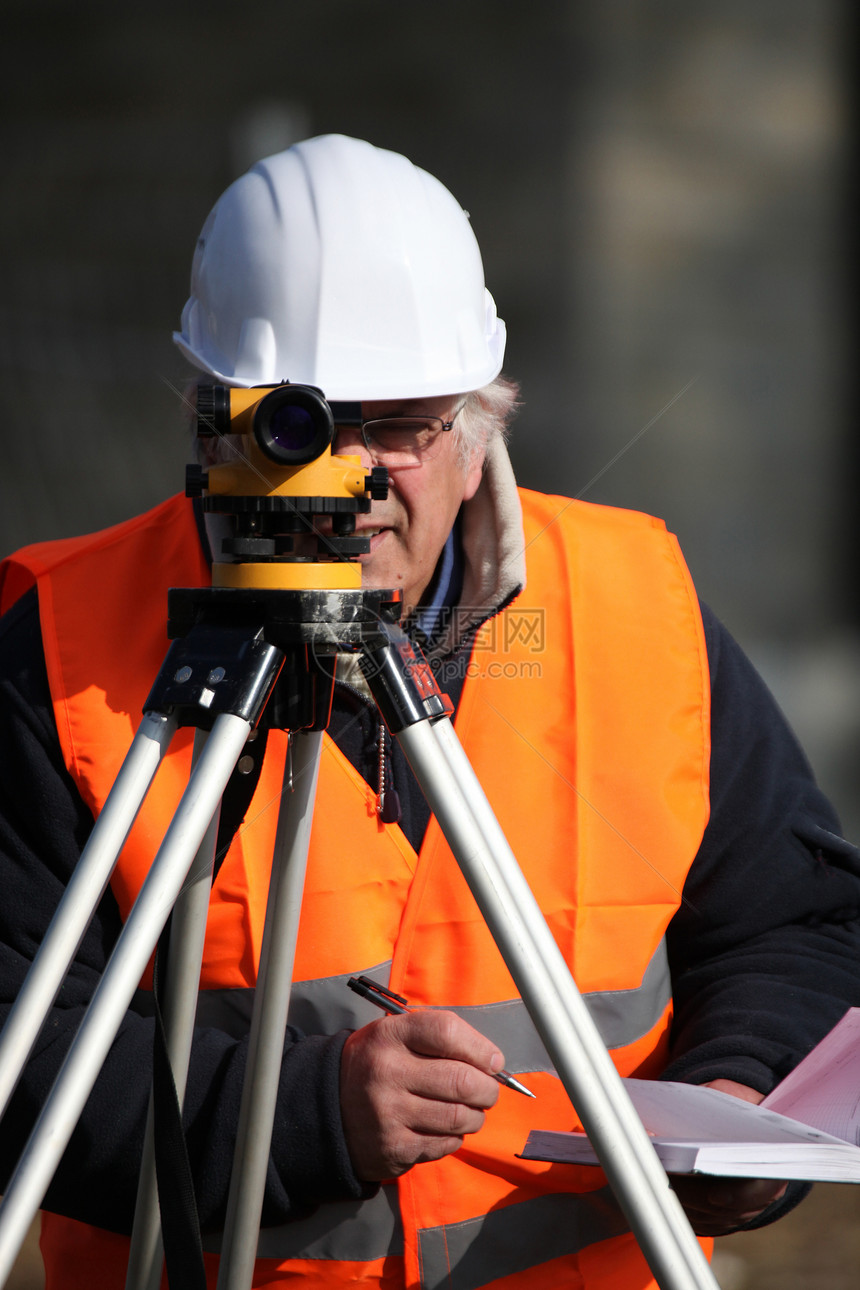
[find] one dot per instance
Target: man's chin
(374, 578)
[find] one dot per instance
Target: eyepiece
(293, 425)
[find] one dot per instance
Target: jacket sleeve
(764, 951)
(43, 827)
(765, 948)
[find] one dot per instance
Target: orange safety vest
(585, 714)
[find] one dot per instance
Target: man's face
(414, 522)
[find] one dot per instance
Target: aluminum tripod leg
(268, 1029)
(269, 1020)
(92, 1042)
(188, 931)
(79, 901)
(555, 1005)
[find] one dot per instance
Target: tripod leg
(555, 1005)
(96, 1033)
(79, 901)
(188, 932)
(269, 1021)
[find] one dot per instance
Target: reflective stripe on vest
(327, 1005)
(346, 1231)
(516, 1239)
(511, 1240)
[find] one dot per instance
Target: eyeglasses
(401, 442)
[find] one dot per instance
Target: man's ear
(474, 474)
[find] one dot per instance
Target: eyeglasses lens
(402, 441)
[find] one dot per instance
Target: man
(661, 811)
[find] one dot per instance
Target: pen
(395, 1004)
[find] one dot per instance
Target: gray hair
(486, 413)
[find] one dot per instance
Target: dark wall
(121, 126)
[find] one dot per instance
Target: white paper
(809, 1126)
(824, 1090)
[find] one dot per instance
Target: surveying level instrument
(247, 652)
(282, 479)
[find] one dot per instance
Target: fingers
(717, 1206)
(432, 1033)
(411, 1088)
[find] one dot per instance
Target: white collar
(493, 548)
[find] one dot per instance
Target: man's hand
(717, 1206)
(411, 1087)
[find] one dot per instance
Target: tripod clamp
(231, 647)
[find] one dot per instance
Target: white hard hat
(341, 265)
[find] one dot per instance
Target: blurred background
(663, 191)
